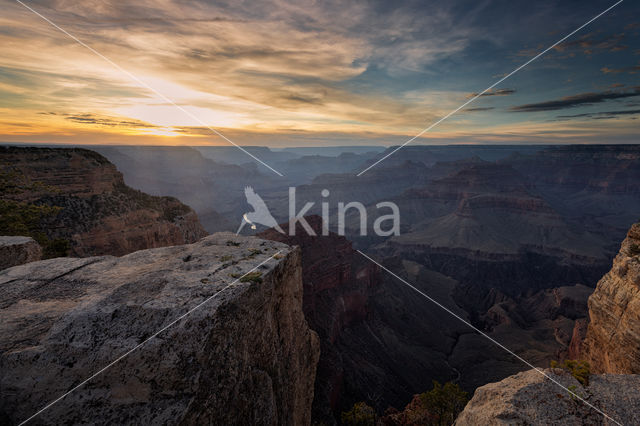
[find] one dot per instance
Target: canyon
(504, 237)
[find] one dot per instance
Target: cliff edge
(612, 342)
(246, 356)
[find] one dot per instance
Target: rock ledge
(245, 357)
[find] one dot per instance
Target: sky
(309, 73)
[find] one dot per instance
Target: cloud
(274, 63)
(602, 114)
(630, 70)
(496, 92)
(386, 68)
(107, 121)
(575, 100)
(478, 109)
(590, 44)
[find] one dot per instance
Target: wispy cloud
(496, 92)
(592, 43)
(602, 114)
(94, 119)
(478, 109)
(629, 70)
(575, 100)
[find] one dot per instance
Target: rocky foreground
(530, 398)
(247, 356)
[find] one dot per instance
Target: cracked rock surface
(246, 356)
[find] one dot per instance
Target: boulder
(18, 250)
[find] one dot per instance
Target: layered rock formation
(18, 250)
(74, 201)
(599, 184)
(529, 398)
(612, 343)
(235, 348)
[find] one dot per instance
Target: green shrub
(360, 415)
(254, 277)
(20, 218)
(444, 403)
(58, 247)
(580, 370)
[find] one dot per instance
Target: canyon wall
(338, 283)
(233, 350)
(612, 343)
(74, 201)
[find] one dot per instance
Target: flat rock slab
(245, 355)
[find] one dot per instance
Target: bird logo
(260, 213)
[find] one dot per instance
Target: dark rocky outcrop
(18, 250)
(75, 201)
(246, 356)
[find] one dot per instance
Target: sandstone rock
(18, 250)
(529, 398)
(612, 343)
(246, 356)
